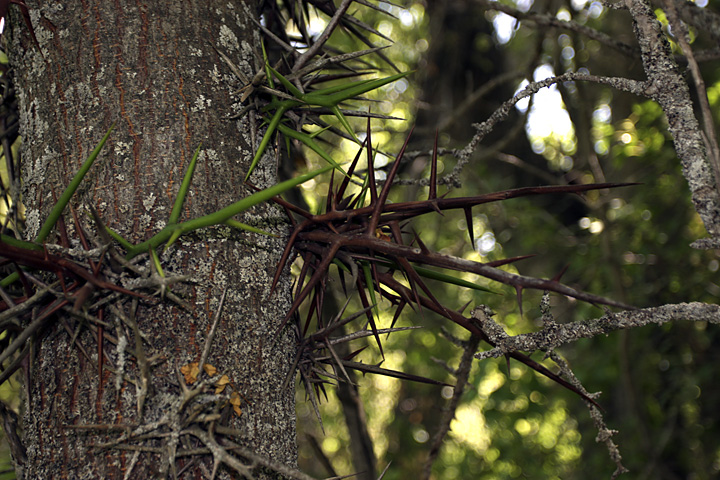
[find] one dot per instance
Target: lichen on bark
(151, 69)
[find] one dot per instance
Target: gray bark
(151, 69)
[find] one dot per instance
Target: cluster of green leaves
(330, 98)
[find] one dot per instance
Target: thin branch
(548, 20)
(710, 137)
(320, 41)
(462, 375)
(561, 334)
(625, 84)
(604, 433)
(211, 335)
(669, 89)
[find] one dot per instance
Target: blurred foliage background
(630, 244)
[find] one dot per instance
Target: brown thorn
(396, 316)
(462, 309)
(557, 277)
(346, 180)
(375, 218)
(423, 248)
(434, 205)
(465, 323)
(396, 233)
(519, 289)
(469, 222)
(320, 271)
(100, 352)
(330, 200)
(24, 280)
(81, 233)
(506, 261)
(286, 255)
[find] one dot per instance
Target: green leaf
(70, 191)
(274, 122)
(310, 142)
(442, 277)
(156, 262)
(287, 84)
(182, 193)
(119, 238)
(172, 232)
(242, 226)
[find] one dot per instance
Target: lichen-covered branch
(555, 335)
(667, 87)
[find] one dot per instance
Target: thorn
(557, 277)
(434, 205)
(462, 309)
(330, 203)
(352, 355)
(469, 222)
(396, 233)
(420, 243)
(382, 199)
(506, 261)
(396, 316)
(343, 205)
(346, 180)
(519, 289)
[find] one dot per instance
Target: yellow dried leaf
(190, 372)
(235, 401)
(221, 384)
(209, 369)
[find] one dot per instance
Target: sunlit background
(626, 244)
(630, 244)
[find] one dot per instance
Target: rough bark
(669, 89)
(151, 69)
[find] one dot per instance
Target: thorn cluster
(362, 235)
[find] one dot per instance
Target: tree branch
(555, 335)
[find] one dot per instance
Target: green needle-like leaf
(243, 226)
(175, 234)
(442, 277)
(326, 99)
(267, 66)
(287, 84)
(339, 115)
(156, 262)
(70, 191)
(172, 232)
(274, 122)
(310, 142)
(182, 193)
(58, 208)
(119, 238)
(14, 242)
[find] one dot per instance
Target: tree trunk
(152, 70)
